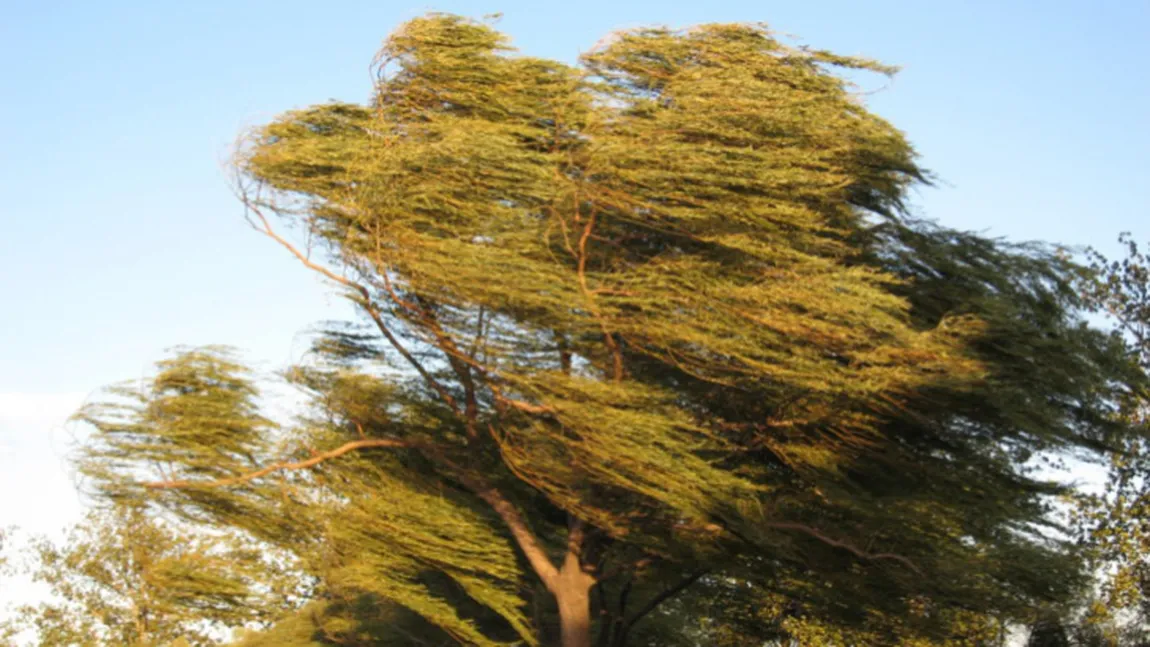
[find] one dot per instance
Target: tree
(124, 578)
(1116, 523)
(645, 326)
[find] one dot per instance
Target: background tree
(124, 578)
(1116, 523)
(651, 324)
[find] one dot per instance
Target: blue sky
(120, 237)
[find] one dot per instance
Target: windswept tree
(651, 325)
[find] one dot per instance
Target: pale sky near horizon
(120, 237)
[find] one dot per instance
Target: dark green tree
(651, 325)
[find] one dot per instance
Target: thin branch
(850, 548)
(581, 271)
(460, 362)
(367, 303)
(619, 569)
(576, 534)
(277, 467)
(662, 597)
(623, 595)
(439, 389)
(526, 407)
(303, 258)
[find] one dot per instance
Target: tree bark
(573, 595)
(572, 590)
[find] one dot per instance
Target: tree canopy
(651, 352)
(125, 578)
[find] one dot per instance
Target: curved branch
(850, 548)
(278, 467)
(588, 295)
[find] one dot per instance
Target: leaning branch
(516, 524)
(279, 467)
(532, 549)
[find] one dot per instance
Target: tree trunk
(573, 595)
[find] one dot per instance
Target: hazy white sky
(34, 441)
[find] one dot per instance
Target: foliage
(124, 578)
(1116, 523)
(649, 326)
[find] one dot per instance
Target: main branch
(521, 532)
(278, 467)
